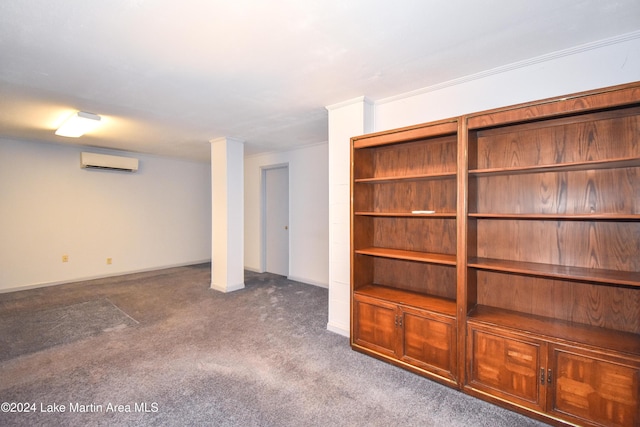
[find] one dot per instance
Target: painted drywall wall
(600, 64)
(308, 212)
(157, 217)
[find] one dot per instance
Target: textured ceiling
(168, 76)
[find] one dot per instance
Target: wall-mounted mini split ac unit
(105, 161)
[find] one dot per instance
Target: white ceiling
(167, 76)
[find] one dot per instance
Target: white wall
(308, 212)
(49, 206)
(606, 63)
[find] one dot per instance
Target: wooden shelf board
(436, 304)
(407, 214)
(560, 167)
(419, 177)
(557, 330)
(571, 217)
(433, 258)
(626, 278)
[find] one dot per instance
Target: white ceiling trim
(515, 65)
(348, 102)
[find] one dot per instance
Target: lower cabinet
(590, 387)
(416, 337)
(508, 366)
(566, 383)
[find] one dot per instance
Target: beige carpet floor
(162, 349)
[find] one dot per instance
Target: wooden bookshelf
(499, 253)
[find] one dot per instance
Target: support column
(347, 119)
(227, 214)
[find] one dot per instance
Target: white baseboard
(309, 282)
(227, 288)
(99, 276)
(338, 329)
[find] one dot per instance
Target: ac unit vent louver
(105, 161)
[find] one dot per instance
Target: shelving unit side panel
(609, 307)
(362, 232)
(362, 197)
(588, 244)
(362, 267)
(362, 163)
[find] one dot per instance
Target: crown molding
(358, 100)
(516, 65)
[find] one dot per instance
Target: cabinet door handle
(398, 321)
(549, 380)
(542, 376)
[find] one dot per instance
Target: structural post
(347, 119)
(227, 214)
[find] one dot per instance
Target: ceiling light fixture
(78, 124)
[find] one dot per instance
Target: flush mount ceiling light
(78, 124)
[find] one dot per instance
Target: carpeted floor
(161, 348)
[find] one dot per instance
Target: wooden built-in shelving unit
(499, 253)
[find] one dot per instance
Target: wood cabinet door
(375, 325)
(507, 366)
(429, 342)
(595, 389)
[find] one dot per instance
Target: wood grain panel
(437, 155)
(595, 390)
(429, 257)
(609, 307)
(362, 164)
(589, 244)
(362, 230)
(576, 103)
(509, 367)
(362, 271)
(430, 342)
(603, 341)
(442, 306)
(584, 138)
(406, 196)
(601, 191)
(375, 325)
(436, 235)
(432, 279)
(409, 133)
(439, 196)
(362, 197)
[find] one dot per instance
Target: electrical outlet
(109, 261)
(65, 258)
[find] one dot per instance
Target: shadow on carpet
(48, 328)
